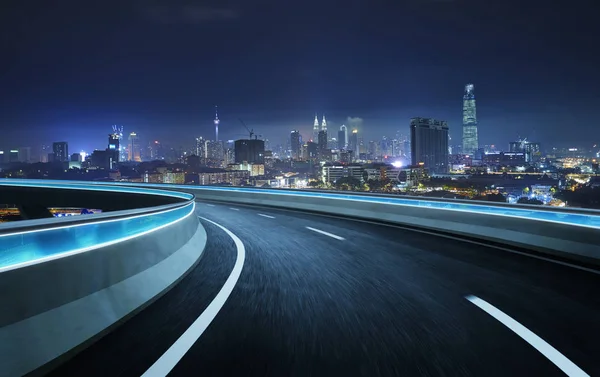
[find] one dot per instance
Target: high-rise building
(114, 144)
(343, 137)
(135, 152)
(295, 144)
(429, 142)
(216, 122)
(323, 152)
(532, 150)
(25, 154)
(123, 152)
(251, 151)
(324, 124)
(353, 143)
(316, 129)
(200, 147)
(470, 141)
(61, 151)
(214, 150)
(13, 155)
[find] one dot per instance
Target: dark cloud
(188, 14)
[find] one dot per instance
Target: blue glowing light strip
(576, 219)
(23, 249)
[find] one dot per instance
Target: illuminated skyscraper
(135, 152)
(200, 147)
(343, 137)
(316, 129)
(114, 144)
(118, 133)
(470, 139)
(216, 121)
(324, 124)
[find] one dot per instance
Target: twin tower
(317, 128)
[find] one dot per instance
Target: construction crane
(250, 131)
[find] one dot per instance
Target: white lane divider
(175, 353)
(326, 233)
(267, 216)
(234, 209)
(210, 205)
(551, 353)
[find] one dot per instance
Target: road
(323, 296)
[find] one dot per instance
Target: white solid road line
(551, 353)
(267, 216)
(326, 233)
(175, 353)
(210, 205)
(234, 209)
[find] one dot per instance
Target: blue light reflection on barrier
(578, 219)
(35, 246)
(92, 186)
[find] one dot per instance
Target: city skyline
(533, 71)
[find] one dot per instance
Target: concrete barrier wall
(53, 309)
(564, 232)
(581, 243)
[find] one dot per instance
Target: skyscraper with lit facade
(470, 141)
(343, 137)
(135, 151)
(316, 129)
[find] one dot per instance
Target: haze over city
(71, 70)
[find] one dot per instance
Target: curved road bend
(321, 296)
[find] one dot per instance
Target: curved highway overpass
(282, 292)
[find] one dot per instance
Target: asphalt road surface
(323, 296)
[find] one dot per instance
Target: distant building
(213, 150)
(61, 151)
(532, 150)
(330, 174)
(429, 144)
(295, 144)
(353, 143)
(343, 137)
(135, 151)
(312, 150)
(504, 158)
(234, 178)
(250, 150)
(114, 143)
(323, 150)
(25, 154)
(470, 140)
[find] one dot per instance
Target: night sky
(71, 69)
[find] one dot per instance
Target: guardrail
(64, 282)
(561, 215)
(563, 232)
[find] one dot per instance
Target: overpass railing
(573, 216)
(67, 281)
